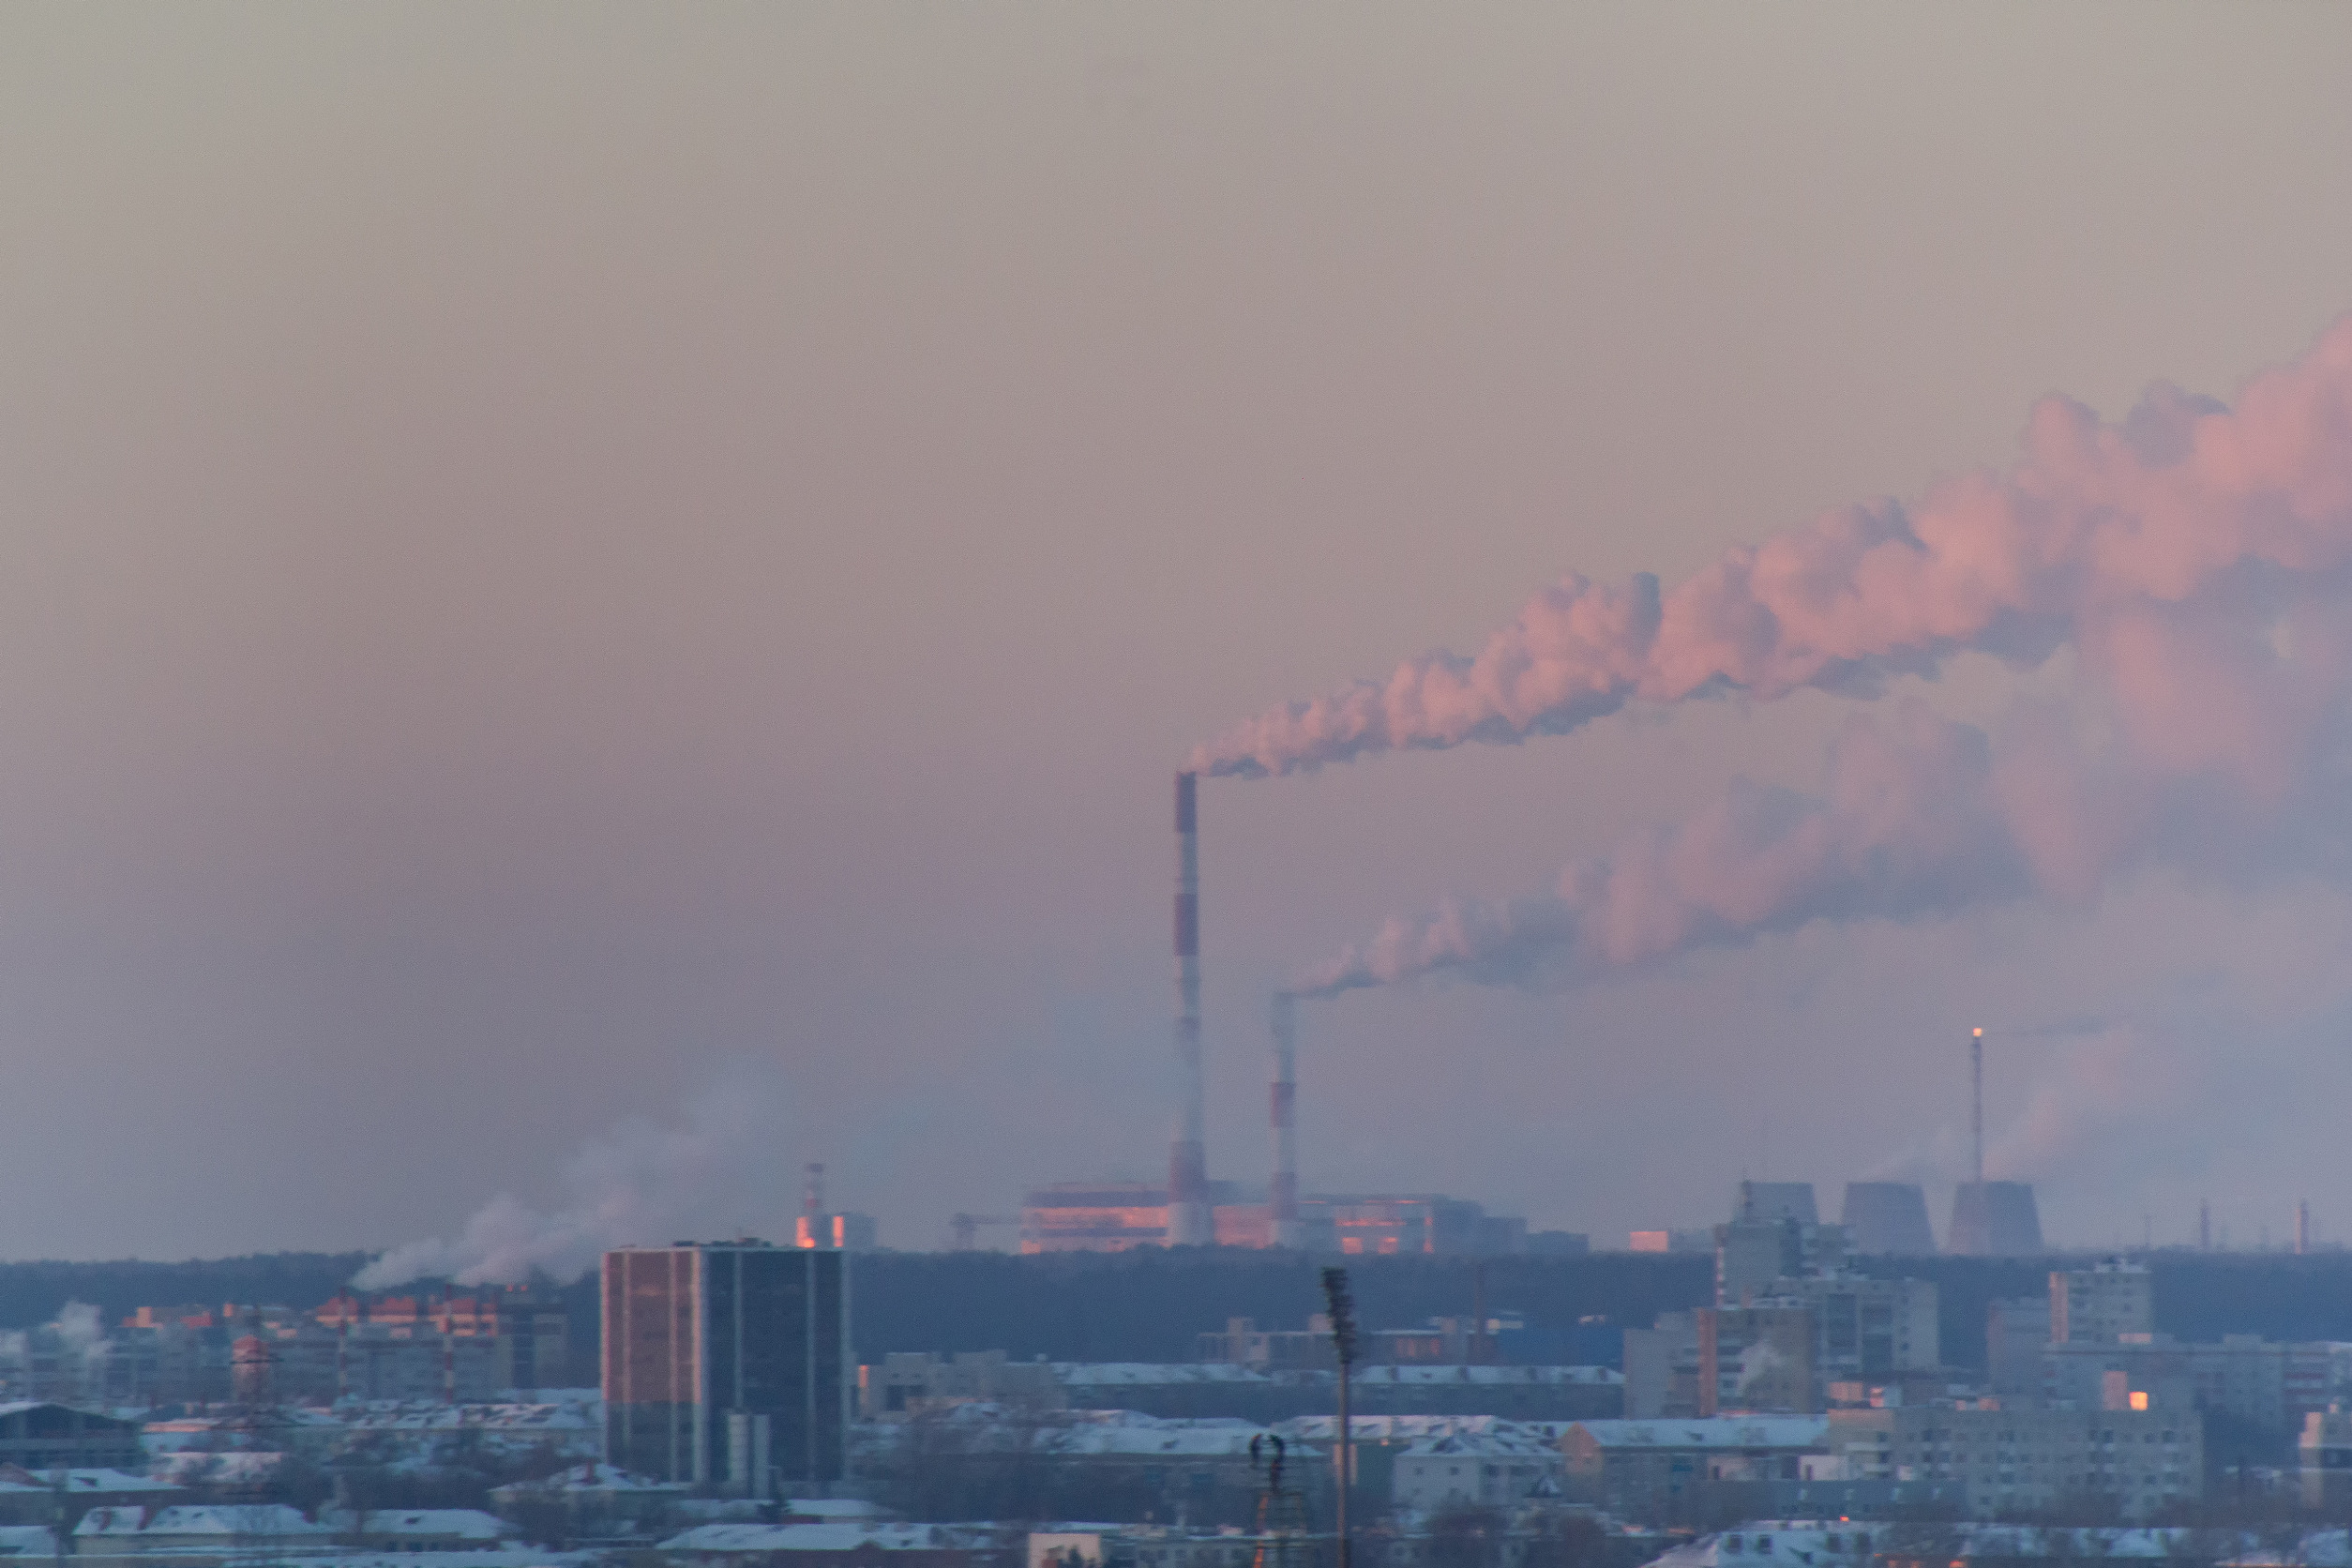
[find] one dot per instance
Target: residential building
(1662, 1369)
(1484, 1470)
(1870, 1330)
(727, 1363)
(2102, 1304)
(1757, 1358)
(42, 1436)
(1645, 1465)
(2013, 1461)
(30, 1498)
(2325, 1452)
(2016, 1332)
(242, 1530)
(910, 1382)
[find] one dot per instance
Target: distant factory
(1883, 1218)
(1190, 1209)
(1115, 1216)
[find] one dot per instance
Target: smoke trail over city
(2192, 559)
(639, 1182)
(2184, 501)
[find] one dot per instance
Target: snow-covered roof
(15, 1478)
(1796, 1542)
(418, 1415)
(816, 1538)
(235, 1469)
(1721, 1432)
(223, 1520)
(468, 1524)
(1477, 1445)
(835, 1509)
(1093, 1373)
(597, 1477)
(1542, 1376)
(1390, 1428)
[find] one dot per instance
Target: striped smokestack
(1189, 1220)
(1288, 1231)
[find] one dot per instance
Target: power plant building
(1114, 1216)
(1887, 1219)
(727, 1364)
(1994, 1219)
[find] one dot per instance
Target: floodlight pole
(1343, 1340)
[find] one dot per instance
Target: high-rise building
(2016, 1332)
(727, 1364)
(2102, 1305)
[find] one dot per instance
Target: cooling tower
(1994, 1219)
(1189, 1220)
(1888, 1218)
(1778, 1200)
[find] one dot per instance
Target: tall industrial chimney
(1190, 1222)
(1975, 1107)
(1288, 1231)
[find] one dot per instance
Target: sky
(600, 601)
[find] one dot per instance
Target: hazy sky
(557, 555)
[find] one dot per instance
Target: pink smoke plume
(2096, 525)
(2217, 747)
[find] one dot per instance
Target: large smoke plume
(2197, 563)
(721, 1169)
(2182, 500)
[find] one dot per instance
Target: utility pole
(1343, 1340)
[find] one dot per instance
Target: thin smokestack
(1288, 1231)
(1976, 1106)
(1189, 1220)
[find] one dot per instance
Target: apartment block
(2019, 1461)
(726, 1364)
(2101, 1306)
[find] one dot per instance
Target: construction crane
(965, 1229)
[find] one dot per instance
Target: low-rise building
(1644, 1466)
(226, 1528)
(30, 1498)
(41, 1435)
(2324, 1455)
(1484, 1469)
(842, 1545)
(905, 1382)
(416, 1530)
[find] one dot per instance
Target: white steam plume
(719, 1169)
(2183, 499)
(2221, 752)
